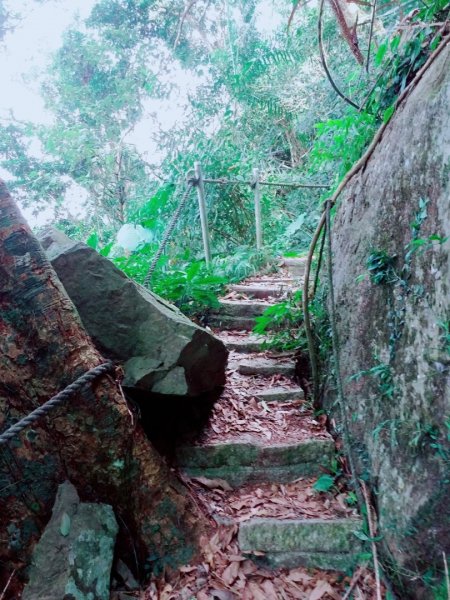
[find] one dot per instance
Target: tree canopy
(298, 97)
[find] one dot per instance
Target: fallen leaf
(230, 573)
(322, 588)
(188, 569)
(223, 595)
(299, 575)
(256, 593)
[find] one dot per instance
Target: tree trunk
(93, 440)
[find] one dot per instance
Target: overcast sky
(26, 52)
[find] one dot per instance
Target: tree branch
(324, 61)
(372, 22)
(182, 20)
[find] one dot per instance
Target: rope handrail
(65, 394)
(195, 179)
(269, 183)
(171, 226)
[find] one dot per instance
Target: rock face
(162, 351)
(91, 439)
(73, 558)
(394, 326)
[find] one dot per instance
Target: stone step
(256, 460)
(254, 290)
(241, 308)
(266, 367)
(247, 344)
(279, 281)
(227, 323)
(314, 543)
(278, 394)
(295, 266)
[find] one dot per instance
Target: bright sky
(26, 51)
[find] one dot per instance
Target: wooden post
(257, 192)
(202, 206)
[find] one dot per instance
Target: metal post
(257, 192)
(202, 206)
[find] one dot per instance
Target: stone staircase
(263, 437)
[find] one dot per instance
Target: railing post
(257, 193)
(202, 206)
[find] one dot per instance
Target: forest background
(246, 94)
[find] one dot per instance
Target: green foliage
(341, 142)
(383, 374)
(286, 319)
(242, 263)
(444, 336)
(381, 267)
(325, 483)
(190, 285)
(400, 57)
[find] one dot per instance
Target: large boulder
(393, 326)
(74, 556)
(162, 351)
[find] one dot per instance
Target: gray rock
(265, 367)
(399, 324)
(318, 543)
(295, 266)
(227, 322)
(333, 561)
(254, 290)
(161, 350)
(253, 460)
(241, 308)
(247, 344)
(278, 394)
(73, 558)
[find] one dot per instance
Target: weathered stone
(327, 539)
(333, 561)
(278, 394)
(73, 558)
(241, 475)
(162, 350)
(247, 344)
(226, 322)
(401, 435)
(241, 308)
(254, 290)
(91, 439)
(253, 460)
(266, 367)
(295, 266)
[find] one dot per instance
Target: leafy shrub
(286, 319)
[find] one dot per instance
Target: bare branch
(372, 532)
(291, 16)
(324, 61)
(372, 22)
(349, 33)
(182, 20)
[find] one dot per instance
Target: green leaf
(380, 54)
(365, 538)
(92, 240)
(388, 113)
(106, 249)
(324, 483)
